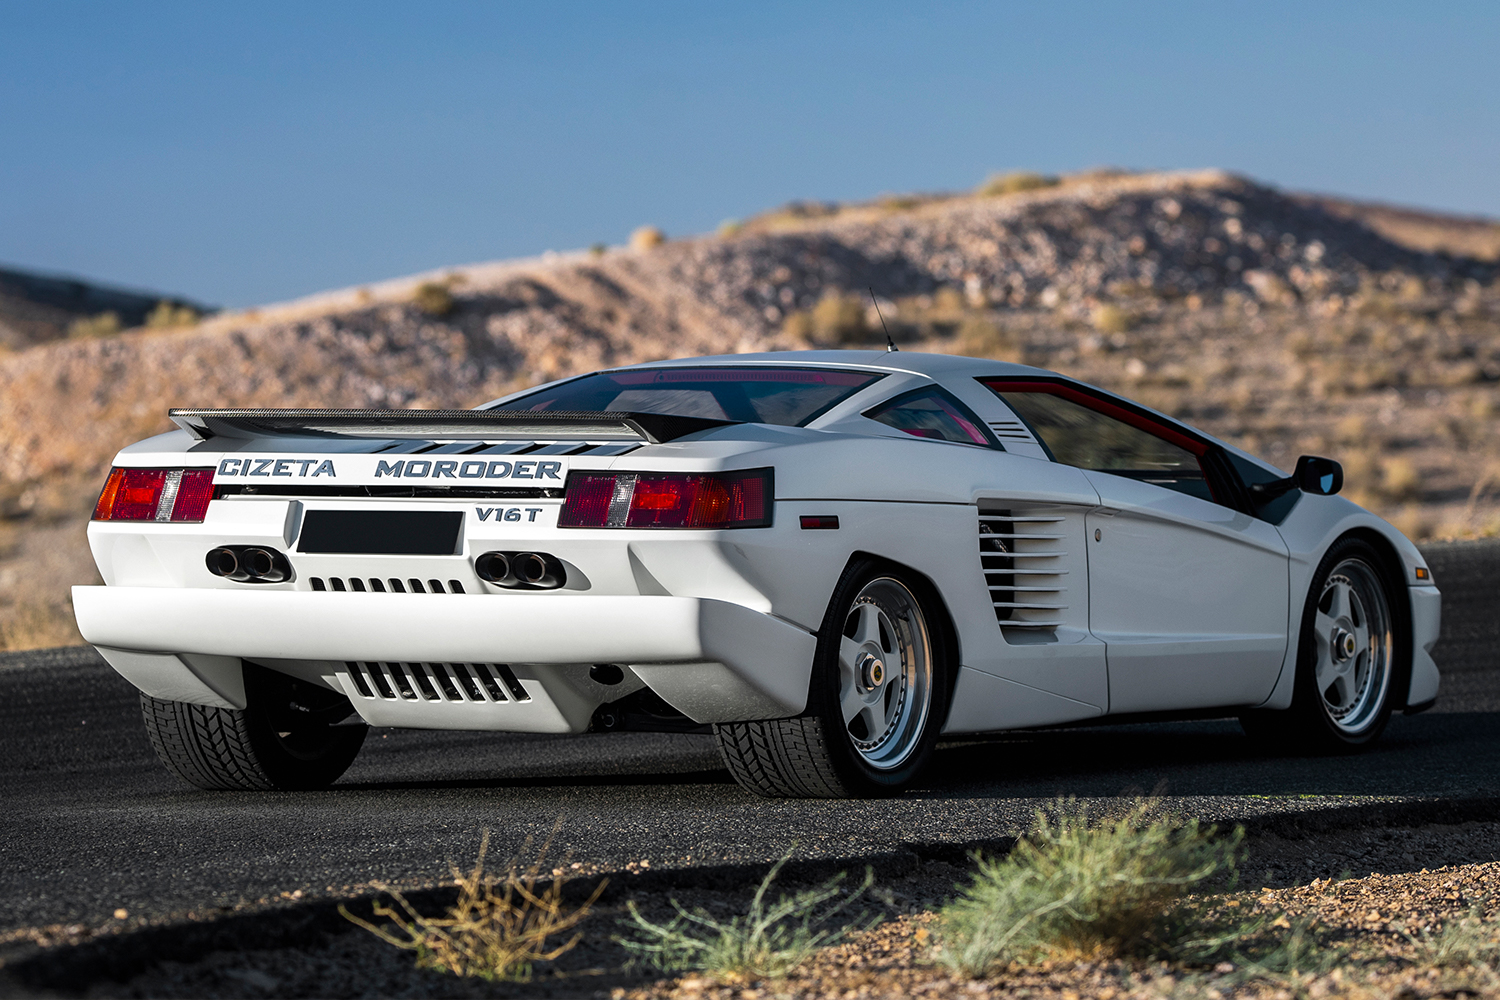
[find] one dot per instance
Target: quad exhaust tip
(248, 564)
(521, 570)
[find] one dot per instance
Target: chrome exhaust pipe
(496, 568)
(226, 563)
(540, 570)
(263, 566)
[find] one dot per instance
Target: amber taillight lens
(668, 500)
(155, 495)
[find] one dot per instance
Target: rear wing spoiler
(439, 425)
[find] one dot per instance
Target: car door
(1189, 596)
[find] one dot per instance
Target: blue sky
(247, 153)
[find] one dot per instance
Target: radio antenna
(890, 345)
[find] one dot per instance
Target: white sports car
(829, 559)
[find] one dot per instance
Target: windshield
(761, 395)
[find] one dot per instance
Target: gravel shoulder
(1369, 924)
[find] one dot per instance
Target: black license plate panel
(382, 532)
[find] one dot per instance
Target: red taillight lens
(155, 495)
(668, 500)
(193, 495)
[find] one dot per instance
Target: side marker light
(813, 522)
(1422, 573)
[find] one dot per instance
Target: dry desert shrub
(1111, 319)
(106, 324)
(1085, 886)
(497, 930)
(979, 337)
(168, 315)
(1464, 942)
(647, 238)
(840, 319)
(1013, 182)
(433, 298)
(767, 940)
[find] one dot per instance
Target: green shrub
(106, 324)
(1076, 887)
(1016, 181)
(765, 941)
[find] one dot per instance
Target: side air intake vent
(450, 682)
(1022, 556)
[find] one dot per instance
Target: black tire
(820, 754)
(284, 739)
(1326, 719)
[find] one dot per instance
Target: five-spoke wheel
(885, 673)
(1352, 634)
(1348, 667)
(879, 693)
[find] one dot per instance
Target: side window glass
(1083, 437)
(932, 413)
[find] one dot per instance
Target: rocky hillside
(37, 308)
(1287, 323)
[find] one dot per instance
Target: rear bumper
(713, 660)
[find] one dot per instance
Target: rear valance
(438, 425)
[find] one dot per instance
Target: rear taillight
(668, 500)
(155, 495)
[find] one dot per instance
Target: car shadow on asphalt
(1424, 755)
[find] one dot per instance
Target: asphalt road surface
(92, 822)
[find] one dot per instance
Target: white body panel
(1189, 598)
(1183, 604)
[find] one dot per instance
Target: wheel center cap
(1343, 644)
(872, 671)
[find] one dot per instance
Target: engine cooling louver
(451, 682)
(1022, 556)
(375, 585)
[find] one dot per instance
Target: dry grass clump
(1077, 886)
(1109, 318)
(105, 324)
(765, 941)
(496, 930)
(168, 315)
(1014, 182)
(647, 238)
(979, 337)
(1462, 943)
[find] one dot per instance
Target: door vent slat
(1023, 569)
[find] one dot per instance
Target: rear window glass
(933, 414)
(787, 396)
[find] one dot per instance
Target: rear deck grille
(393, 585)
(1022, 557)
(450, 682)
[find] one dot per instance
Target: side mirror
(1322, 477)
